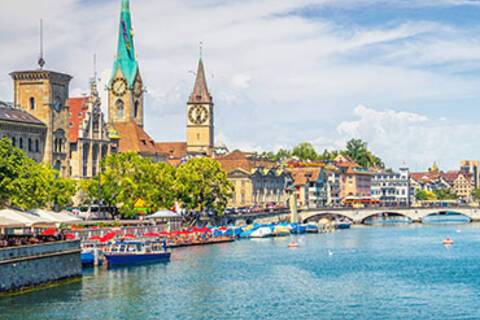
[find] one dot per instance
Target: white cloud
(277, 77)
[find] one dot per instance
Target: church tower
(125, 90)
(200, 124)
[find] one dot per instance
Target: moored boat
(261, 232)
(298, 229)
(136, 252)
(281, 231)
(311, 228)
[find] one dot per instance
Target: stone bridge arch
(446, 212)
(329, 215)
(387, 213)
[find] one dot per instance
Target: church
(126, 106)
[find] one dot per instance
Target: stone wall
(30, 266)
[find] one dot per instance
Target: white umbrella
(9, 223)
(164, 214)
(22, 217)
(55, 217)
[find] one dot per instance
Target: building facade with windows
(24, 130)
(391, 188)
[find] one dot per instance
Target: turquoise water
(363, 273)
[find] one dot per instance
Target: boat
(261, 232)
(298, 229)
(342, 225)
(90, 254)
(293, 244)
(447, 242)
(311, 228)
(136, 252)
(281, 231)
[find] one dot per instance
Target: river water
(363, 273)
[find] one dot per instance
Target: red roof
(78, 110)
(174, 150)
(134, 139)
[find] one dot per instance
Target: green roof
(126, 59)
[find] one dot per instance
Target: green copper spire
(125, 59)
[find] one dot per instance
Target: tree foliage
(202, 185)
(358, 151)
(27, 184)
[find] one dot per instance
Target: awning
(55, 217)
(8, 223)
(24, 218)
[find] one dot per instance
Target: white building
(392, 188)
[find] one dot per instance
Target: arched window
(14, 142)
(37, 145)
(137, 106)
(30, 146)
(120, 109)
(20, 143)
(32, 103)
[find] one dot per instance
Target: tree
(425, 195)
(127, 178)
(358, 151)
(202, 185)
(305, 151)
(282, 154)
(328, 155)
(476, 194)
(445, 194)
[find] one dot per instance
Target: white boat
(262, 232)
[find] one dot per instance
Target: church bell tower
(125, 90)
(200, 124)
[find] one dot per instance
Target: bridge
(358, 216)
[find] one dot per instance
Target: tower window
(32, 103)
(198, 136)
(136, 109)
(120, 108)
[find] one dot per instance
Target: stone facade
(44, 94)
(29, 266)
(25, 131)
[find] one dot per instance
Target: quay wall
(36, 265)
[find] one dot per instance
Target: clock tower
(125, 90)
(200, 124)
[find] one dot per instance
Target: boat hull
(134, 259)
(88, 258)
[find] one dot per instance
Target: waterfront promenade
(362, 273)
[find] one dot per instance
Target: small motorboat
(447, 242)
(311, 228)
(136, 252)
(293, 244)
(262, 232)
(91, 254)
(281, 231)
(298, 229)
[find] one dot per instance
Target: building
(391, 188)
(126, 95)
(310, 187)
(43, 94)
(332, 186)
(24, 130)
(461, 182)
(256, 182)
(472, 168)
(200, 122)
(88, 135)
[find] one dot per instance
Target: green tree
(358, 151)
(445, 194)
(127, 178)
(476, 194)
(282, 154)
(305, 151)
(202, 185)
(328, 155)
(424, 195)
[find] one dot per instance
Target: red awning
(70, 236)
(151, 234)
(94, 238)
(49, 232)
(107, 237)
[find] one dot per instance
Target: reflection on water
(361, 273)
(446, 218)
(387, 219)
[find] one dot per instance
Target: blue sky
(402, 75)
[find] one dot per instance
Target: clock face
(119, 87)
(138, 89)
(198, 115)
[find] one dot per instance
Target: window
(20, 143)
(14, 142)
(32, 103)
(120, 108)
(136, 109)
(30, 145)
(37, 145)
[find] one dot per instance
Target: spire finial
(201, 49)
(41, 61)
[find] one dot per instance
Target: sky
(403, 75)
